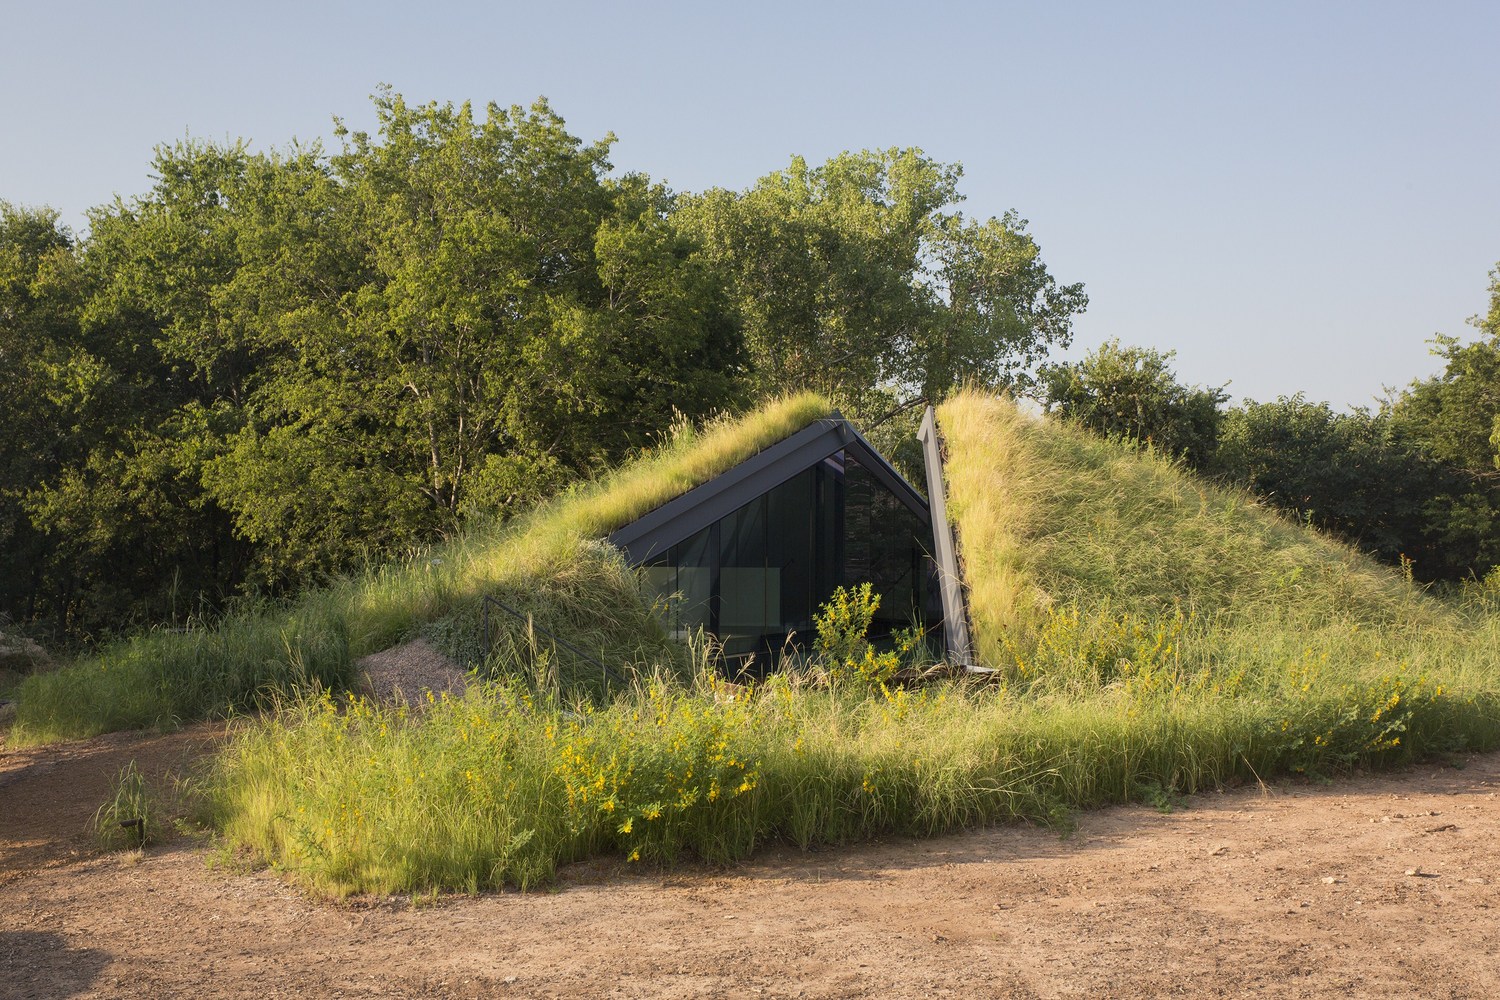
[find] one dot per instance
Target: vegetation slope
(1152, 635)
(1054, 517)
(549, 563)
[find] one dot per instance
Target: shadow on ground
(36, 965)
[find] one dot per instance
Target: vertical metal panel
(950, 581)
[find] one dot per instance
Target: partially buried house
(750, 555)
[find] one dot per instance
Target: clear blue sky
(1294, 197)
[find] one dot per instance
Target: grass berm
(1154, 635)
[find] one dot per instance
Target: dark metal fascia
(655, 532)
(681, 518)
(950, 579)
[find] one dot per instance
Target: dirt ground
(1370, 887)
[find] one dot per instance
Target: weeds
(506, 783)
(132, 817)
(843, 647)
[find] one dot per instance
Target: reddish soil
(1370, 887)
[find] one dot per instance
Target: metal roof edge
(950, 579)
(658, 529)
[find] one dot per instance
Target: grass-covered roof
(549, 562)
(1051, 515)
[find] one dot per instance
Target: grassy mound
(1155, 635)
(1050, 515)
(548, 563)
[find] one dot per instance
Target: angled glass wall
(758, 575)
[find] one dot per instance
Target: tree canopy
(857, 279)
(1455, 417)
(1359, 475)
(1132, 393)
(273, 365)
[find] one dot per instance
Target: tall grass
(501, 786)
(251, 657)
(1050, 514)
(1153, 633)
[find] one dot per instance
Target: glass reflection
(756, 577)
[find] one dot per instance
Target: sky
(1293, 197)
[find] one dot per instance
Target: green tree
(853, 279)
(450, 316)
(110, 534)
(138, 536)
(49, 379)
(528, 317)
(1455, 416)
(1357, 474)
(1457, 413)
(1133, 393)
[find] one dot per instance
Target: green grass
(132, 817)
(1155, 635)
(1049, 515)
(251, 658)
(10, 681)
(501, 786)
(1091, 564)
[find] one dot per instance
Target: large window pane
(882, 545)
(762, 572)
(791, 553)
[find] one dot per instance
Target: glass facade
(758, 575)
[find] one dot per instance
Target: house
(750, 555)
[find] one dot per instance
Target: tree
(1132, 393)
(451, 316)
(132, 536)
(1455, 417)
(1358, 475)
(529, 318)
(48, 379)
(1457, 414)
(852, 279)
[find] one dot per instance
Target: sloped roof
(680, 518)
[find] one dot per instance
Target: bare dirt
(1376, 886)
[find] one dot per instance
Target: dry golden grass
(1050, 514)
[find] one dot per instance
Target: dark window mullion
(714, 563)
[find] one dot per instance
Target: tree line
(274, 366)
(1415, 481)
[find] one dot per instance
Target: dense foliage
(1132, 393)
(1360, 475)
(1415, 483)
(851, 280)
(274, 367)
